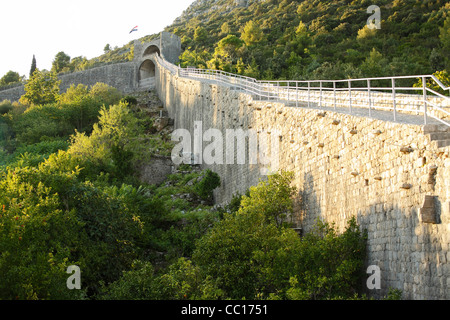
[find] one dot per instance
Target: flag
(134, 29)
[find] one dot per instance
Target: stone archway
(152, 49)
(146, 70)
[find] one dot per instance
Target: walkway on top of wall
(382, 115)
(375, 114)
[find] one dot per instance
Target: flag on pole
(134, 29)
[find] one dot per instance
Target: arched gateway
(167, 46)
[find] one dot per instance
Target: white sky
(77, 27)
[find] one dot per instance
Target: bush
(113, 145)
(5, 107)
(205, 187)
(130, 100)
(442, 76)
(183, 280)
(52, 219)
(246, 251)
(329, 265)
(41, 88)
(36, 239)
(274, 197)
(41, 122)
(32, 155)
(135, 284)
(105, 94)
(250, 255)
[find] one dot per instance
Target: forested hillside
(306, 39)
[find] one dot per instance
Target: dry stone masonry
(125, 76)
(393, 177)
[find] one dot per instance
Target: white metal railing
(382, 93)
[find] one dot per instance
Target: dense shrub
(132, 101)
(41, 88)
(241, 253)
(76, 109)
(5, 107)
(329, 265)
(205, 187)
(37, 236)
(113, 145)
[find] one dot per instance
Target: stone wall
(156, 170)
(122, 76)
(12, 94)
(345, 166)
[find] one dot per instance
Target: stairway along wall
(392, 177)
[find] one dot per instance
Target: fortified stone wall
(12, 94)
(123, 76)
(120, 75)
(392, 177)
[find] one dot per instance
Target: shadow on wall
(410, 254)
(307, 204)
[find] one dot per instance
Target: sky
(77, 27)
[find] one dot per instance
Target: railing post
(288, 93)
(370, 98)
(309, 93)
(334, 94)
(320, 94)
(278, 91)
(393, 99)
(424, 86)
(296, 93)
(350, 96)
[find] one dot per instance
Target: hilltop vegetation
(300, 39)
(311, 39)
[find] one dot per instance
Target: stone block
(428, 210)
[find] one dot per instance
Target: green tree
(194, 58)
(302, 40)
(444, 36)
(41, 88)
(33, 66)
(107, 48)
(374, 65)
(200, 35)
(61, 62)
(245, 252)
(328, 265)
(78, 63)
(226, 53)
(9, 78)
(443, 76)
(225, 29)
(273, 197)
(252, 33)
(113, 144)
